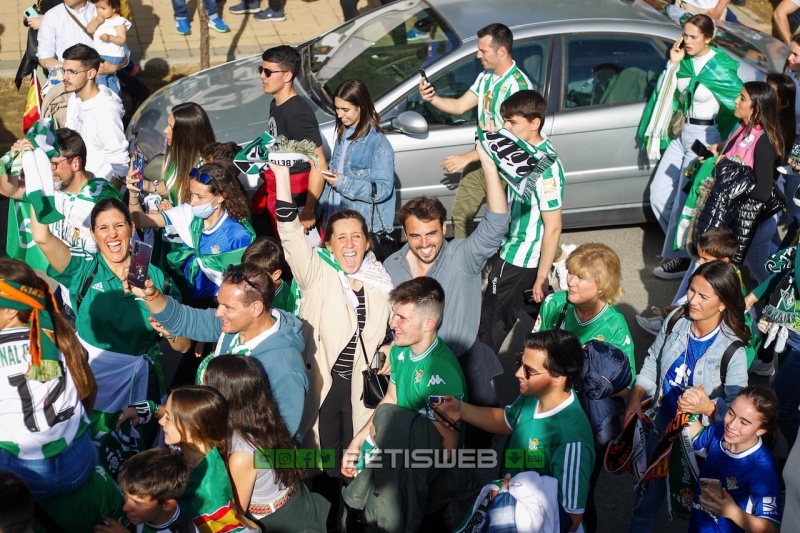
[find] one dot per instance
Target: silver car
(595, 62)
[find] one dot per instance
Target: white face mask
(204, 211)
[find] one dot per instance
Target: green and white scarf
(253, 157)
(371, 272)
(520, 163)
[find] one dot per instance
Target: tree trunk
(204, 40)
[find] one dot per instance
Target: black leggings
(336, 421)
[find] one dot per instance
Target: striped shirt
(344, 364)
(492, 90)
(523, 242)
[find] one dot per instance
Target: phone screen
(711, 485)
(140, 264)
(138, 166)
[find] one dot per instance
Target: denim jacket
(665, 350)
(368, 160)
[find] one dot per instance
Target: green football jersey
(608, 325)
(436, 371)
(558, 443)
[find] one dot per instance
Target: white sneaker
(651, 324)
(760, 368)
(560, 267)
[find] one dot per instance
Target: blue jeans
(786, 388)
(649, 496)
(110, 80)
(63, 473)
(666, 189)
(179, 8)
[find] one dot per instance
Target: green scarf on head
(44, 352)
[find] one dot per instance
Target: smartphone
(681, 44)
(528, 296)
(138, 166)
(424, 76)
(701, 150)
(434, 402)
(31, 13)
(711, 485)
(327, 173)
(140, 264)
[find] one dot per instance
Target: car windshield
(382, 50)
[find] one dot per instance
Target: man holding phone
(548, 431)
(422, 364)
(501, 79)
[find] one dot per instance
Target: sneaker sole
(218, 30)
(273, 19)
(251, 11)
(762, 373)
(668, 275)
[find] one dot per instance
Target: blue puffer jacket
(368, 160)
(606, 371)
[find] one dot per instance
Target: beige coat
(328, 326)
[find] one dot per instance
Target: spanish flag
(33, 105)
(208, 499)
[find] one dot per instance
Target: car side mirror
(407, 122)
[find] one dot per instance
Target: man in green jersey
(549, 432)
(422, 364)
(501, 79)
(531, 242)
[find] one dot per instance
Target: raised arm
(56, 252)
(452, 106)
(496, 201)
(140, 218)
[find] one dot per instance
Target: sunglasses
(203, 178)
(237, 276)
(267, 72)
(528, 371)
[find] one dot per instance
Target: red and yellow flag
(33, 105)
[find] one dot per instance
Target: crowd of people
(311, 354)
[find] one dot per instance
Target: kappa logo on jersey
(401, 357)
(436, 380)
(98, 286)
(627, 340)
(418, 376)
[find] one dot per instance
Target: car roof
(467, 17)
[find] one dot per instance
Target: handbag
(383, 244)
(676, 124)
(375, 385)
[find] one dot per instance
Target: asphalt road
(638, 248)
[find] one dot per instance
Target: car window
(610, 69)
(384, 50)
(531, 56)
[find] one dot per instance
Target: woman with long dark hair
(42, 355)
(188, 131)
(362, 164)
(738, 447)
(194, 420)
(701, 81)
(684, 370)
(113, 325)
(758, 142)
(277, 497)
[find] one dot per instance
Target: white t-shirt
(109, 27)
(704, 104)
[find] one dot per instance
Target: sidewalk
(153, 34)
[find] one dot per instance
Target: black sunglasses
(528, 371)
(237, 276)
(203, 178)
(268, 72)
